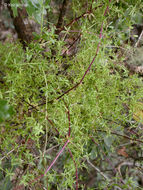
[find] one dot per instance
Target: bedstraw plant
(67, 122)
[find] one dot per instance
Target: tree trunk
(22, 25)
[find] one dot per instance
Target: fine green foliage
(6, 111)
(103, 104)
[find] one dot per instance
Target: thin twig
(107, 159)
(53, 162)
(62, 14)
(75, 168)
(125, 136)
(68, 112)
(126, 163)
(9, 152)
(137, 43)
(68, 49)
(98, 170)
(52, 125)
(47, 151)
(97, 50)
(32, 106)
(57, 157)
(46, 114)
(79, 17)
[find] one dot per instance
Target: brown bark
(22, 25)
(61, 15)
(134, 69)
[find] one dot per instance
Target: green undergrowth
(99, 112)
(103, 103)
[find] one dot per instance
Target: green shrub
(102, 105)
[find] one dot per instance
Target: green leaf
(14, 5)
(6, 111)
(31, 8)
(109, 140)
